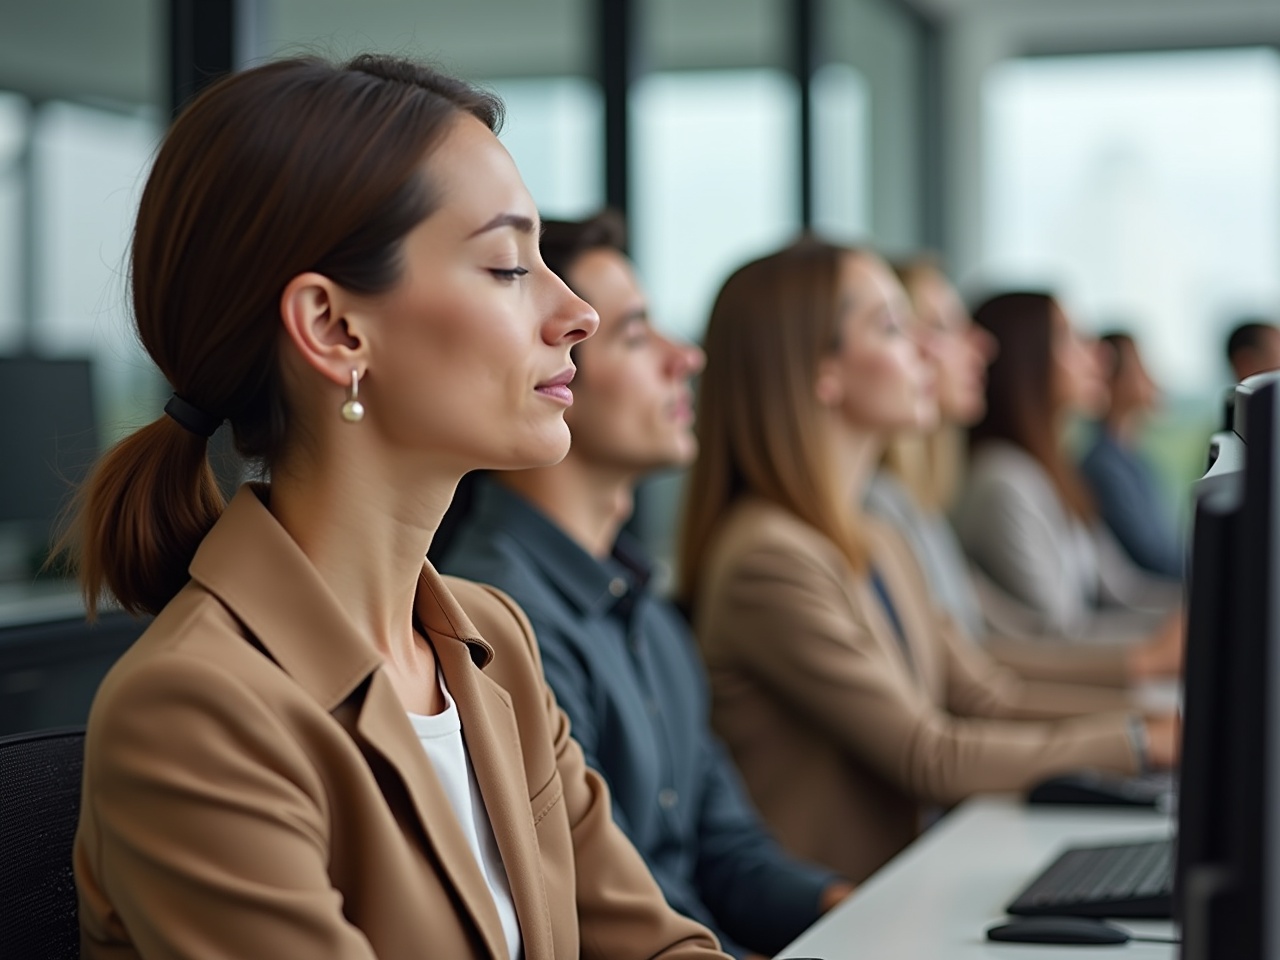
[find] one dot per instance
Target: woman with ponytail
(321, 748)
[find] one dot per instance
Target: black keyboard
(1131, 880)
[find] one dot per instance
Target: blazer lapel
(384, 726)
(878, 623)
(493, 743)
(257, 571)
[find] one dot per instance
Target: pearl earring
(353, 409)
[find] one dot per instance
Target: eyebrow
(514, 220)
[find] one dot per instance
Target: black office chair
(39, 807)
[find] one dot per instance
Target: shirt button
(652, 706)
(667, 798)
(617, 586)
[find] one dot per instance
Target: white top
(441, 738)
(937, 898)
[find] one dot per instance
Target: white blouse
(441, 738)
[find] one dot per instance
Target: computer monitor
(1228, 897)
(48, 440)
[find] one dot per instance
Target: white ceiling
(112, 50)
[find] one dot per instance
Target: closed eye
(514, 273)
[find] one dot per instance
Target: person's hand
(1164, 740)
(1161, 654)
(834, 893)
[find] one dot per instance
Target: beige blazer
(841, 734)
(253, 787)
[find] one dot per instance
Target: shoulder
(761, 541)
(195, 690)
(889, 499)
(193, 635)
(493, 558)
(885, 541)
(757, 524)
(1000, 472)
(997, 459)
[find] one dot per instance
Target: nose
(984, 342)
(682, 359)
(572, 320)
(692, 358)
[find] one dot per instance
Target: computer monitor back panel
(1227, 833)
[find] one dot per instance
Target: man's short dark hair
(564, 241)
(1118, 341)
(1248, 335)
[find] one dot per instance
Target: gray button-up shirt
(623, 666)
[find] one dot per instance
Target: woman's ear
(313, 310)
(829, 385)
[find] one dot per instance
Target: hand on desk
(835, 893)
(1161, 654)
(1164, 734)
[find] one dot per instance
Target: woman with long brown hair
(849, 704)
(1026, 517)
(320, 747)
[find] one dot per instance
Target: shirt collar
(592, 586)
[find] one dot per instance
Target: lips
(557, 387)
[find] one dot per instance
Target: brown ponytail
(295, 166)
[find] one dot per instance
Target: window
(715, 180)
(554, 129)
(1146, 188)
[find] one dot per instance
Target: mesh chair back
(39, 807)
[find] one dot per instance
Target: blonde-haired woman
(921, 484)
(849, 704)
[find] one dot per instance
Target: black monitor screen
(48, 440)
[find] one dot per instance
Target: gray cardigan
(1016, 528)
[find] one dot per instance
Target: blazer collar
(251, 564)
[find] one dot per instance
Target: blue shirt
(624, 668)
(1129, 501)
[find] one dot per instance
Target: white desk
(935, 900)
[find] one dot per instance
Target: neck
(1123, 426)
(367, 531)
(588, 502)
(857, 454)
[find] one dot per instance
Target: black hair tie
(191, 417)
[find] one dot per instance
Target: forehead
(604, 278)
(475, 178)
(868, 282)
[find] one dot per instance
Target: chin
(543, 451)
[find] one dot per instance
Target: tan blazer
(841, 734)
(253, 787)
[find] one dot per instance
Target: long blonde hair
(929, 464)
(761, 428)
